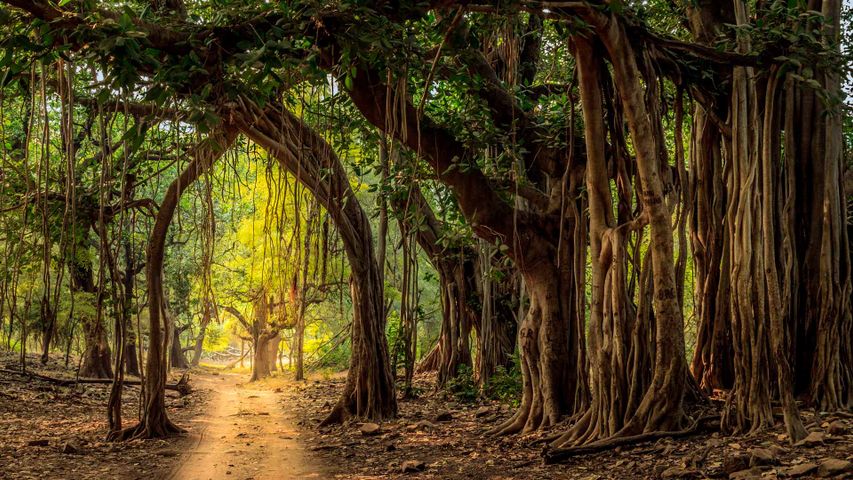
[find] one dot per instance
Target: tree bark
(611, 310)
(661, 405)
(263, 362)
(96, 355)
(198, 348)
(497, 324)
(551, 335)
(712, 360)
(176, 353)
(369, 391)
(155, 422)
(131, 360)
(823, 361)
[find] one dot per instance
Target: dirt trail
(245, 434)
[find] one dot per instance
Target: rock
(444, 417)
(70, 448)
(800, 470)
(735, 463)
(482, 412)
(778, 450)
(43, 442)
(748, 474)
(830, 467)
(412, 466)
(762, 456)
(679, 472)
(837, 428)
(813, 438)
(695, 459)
(369, 429)
(420, 426)
(390, 447)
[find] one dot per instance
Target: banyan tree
(635, 165)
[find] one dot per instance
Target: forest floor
(49, 431)
(269, 429)
(436, 437)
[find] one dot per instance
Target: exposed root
(513, 424)
(338, 415)
(182, 387)
(431, 361)
(558, 455)
(141, 431)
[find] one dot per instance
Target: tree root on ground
(337, 416)
(141, 432)
(558, 455)
(182, 386)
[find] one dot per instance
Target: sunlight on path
(246, 434)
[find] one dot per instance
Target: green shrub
(463, 386)
(505, 385)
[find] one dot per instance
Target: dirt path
(245, 434)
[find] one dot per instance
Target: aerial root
(562, 454)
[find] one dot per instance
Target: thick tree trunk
(783, 277)
(369, 391)
(455, 282)
(198, 348)
(661, 405)
(96, 354)
(262, 336)
(261, 359)
(497, 326)
(552, 387)
(760, 264)
(272, 347)
(712, 360)
(822, 367)
(176, 353)
(131, 361)
(155, 422)
(131, 357)
(612, 313)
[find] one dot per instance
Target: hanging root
(559, 455)
(430, 362)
